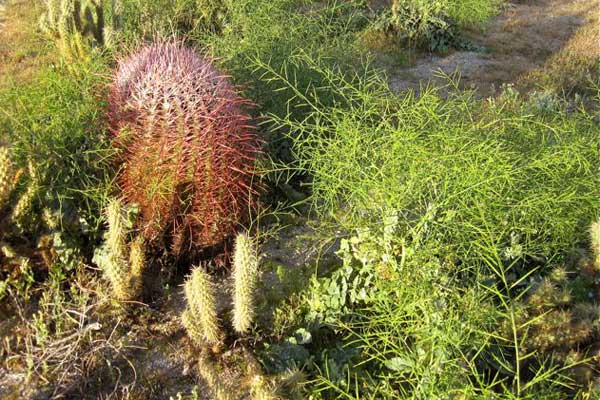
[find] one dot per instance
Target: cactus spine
(245, 269)
(200, 318)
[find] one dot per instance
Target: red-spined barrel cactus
(188, 148)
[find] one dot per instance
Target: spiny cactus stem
(245, 269)
(199, 292)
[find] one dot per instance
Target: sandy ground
(516, 42)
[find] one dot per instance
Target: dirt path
(516, 42)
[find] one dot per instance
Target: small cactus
(245, 269)
(122, 266)
(208, 371)
(115, 237)
(595, 243)
(137, 262)
(8, 175)
(200, 318)
(74, 24)
(262, 389)
(22, 209)
(21, 213)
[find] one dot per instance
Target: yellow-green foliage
(245, 269)
(595, 240)
(8, 175)
(213, 13)
(208, 371)
(200, 318)
(122, 266)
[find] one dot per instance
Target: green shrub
(452, 203)
(433, 24)
(276, 33)
(454, 169)
(407, 318)
(144, 19)
(472, 12)
(56, 123)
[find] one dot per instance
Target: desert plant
(21, 213)
(77, 23)
(122, 265)
(245, 270)
(56, 122)
(434, 23)
(192, 18)
(366, 156)
(9, 175)
(414, 19)
(207, 368)
(595, 243)
(200, 317)
(262, 389)
(137, 262)
(188, 149)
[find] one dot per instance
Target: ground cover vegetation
(158, 152)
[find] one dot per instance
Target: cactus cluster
(21, 213)
(188, 149)
(122, 262)
(77, 23)
(200, 318)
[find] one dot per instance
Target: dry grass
(22, 49)
(62, 341)
(575, 66)
(526, 38)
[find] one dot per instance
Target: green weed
(436, 189)
(56, 123)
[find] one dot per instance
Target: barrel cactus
(187, 146)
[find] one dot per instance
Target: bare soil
(520, 40)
